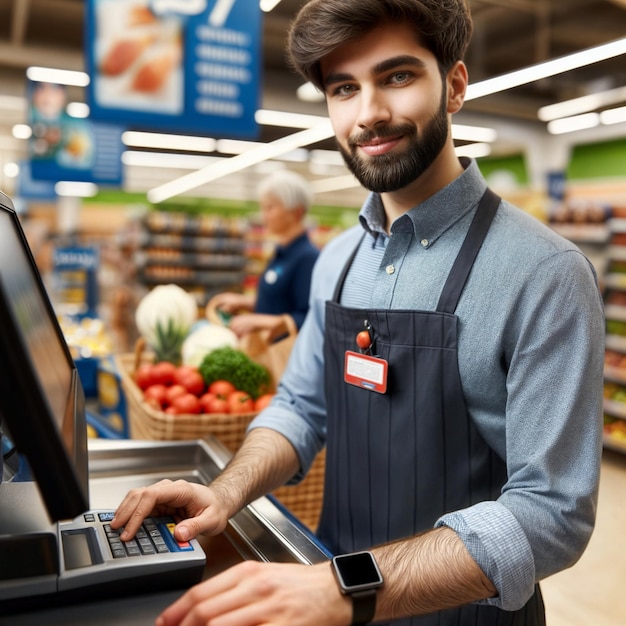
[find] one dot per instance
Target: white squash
(164, 317)
(206, 338)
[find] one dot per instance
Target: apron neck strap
(464, 261)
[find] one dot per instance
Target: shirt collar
(282, 250)
(430, 219)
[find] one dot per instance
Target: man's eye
(400, 77)
(343, 91)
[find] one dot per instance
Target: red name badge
(366, 371)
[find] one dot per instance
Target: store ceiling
(509, 35)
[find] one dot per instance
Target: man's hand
(272, 594)
(199, 508)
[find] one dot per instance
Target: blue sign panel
(29, 188)
(175, 65)
(67, 148)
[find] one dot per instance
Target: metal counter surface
(263, 531)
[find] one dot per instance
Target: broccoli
(237, 367)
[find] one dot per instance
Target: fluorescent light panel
(266, 117)
(268, 5)
(584, 104)
(162, 141)
(572, 124)
(166, 160)
(613, 116)
(474, 150)
(75, 189)
(60, 77)
(544, 70)
(22, 131)
(78, 110)
(241, 161)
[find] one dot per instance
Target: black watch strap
(363, 606)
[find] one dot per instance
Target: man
(459, 344)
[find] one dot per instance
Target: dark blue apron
(396, 462)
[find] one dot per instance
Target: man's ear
(457, 85)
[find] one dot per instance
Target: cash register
(53, 548)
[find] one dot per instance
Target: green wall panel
(515, 164)
(598, 160)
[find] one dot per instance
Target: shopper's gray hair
(290, 188)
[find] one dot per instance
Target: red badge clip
(367, 372)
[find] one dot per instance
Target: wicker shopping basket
(303, 500)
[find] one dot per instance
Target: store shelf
(615, 312)
(615, 342)
(583, 233)
(615, 409)
(614, 443)
(615, 374)
(204, 254)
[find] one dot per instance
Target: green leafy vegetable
(233, 365)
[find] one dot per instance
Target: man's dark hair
(442, 26)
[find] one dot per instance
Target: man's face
(388, 107)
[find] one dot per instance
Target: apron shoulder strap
(464, 261)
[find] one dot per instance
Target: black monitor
(42, 405)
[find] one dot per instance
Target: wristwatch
(358, 577)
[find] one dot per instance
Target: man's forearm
(429, 572)
(265, 461)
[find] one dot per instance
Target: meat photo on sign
(139, 58)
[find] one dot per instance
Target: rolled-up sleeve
(545, 515)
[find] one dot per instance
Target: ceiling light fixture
(268, 5)
(59, 77)
(584, 104)
(473, 133)
(78, 110)
(74, 189)
(286, 119)
(22, 131)
(308, 92)
(165, 160)
(544, 70)
(241, 161)
(162, 141)
(613, 116)
(474, 150)
(572, 124)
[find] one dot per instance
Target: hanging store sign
(62, 147)
(175, 65)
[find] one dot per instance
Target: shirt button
(425, 243)
(390, 269)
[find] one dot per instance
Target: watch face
(357, 571)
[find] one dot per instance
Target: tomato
(191, 380)
(363, 340)
(163, 373)
(155, 395)
(222, 388)
(173, 392)
(187, 403)
(240, 402)
(143, 376)
(262, 401)
(205, 401)
(216, 405)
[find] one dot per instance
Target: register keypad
(154, 537)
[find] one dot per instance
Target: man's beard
(395, 170)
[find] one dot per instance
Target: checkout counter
(263, 531)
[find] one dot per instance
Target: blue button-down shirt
(531, 350)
